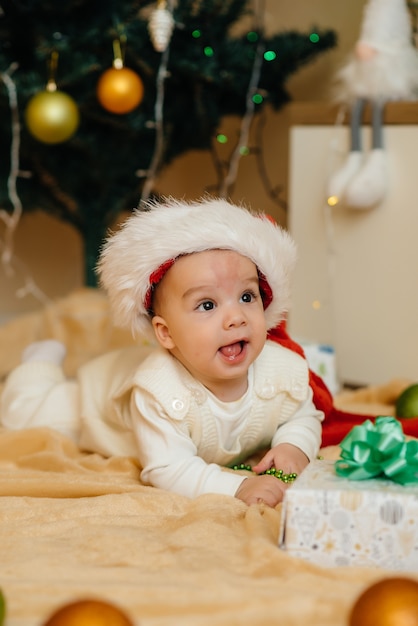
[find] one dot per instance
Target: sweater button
(177, 404)
(198, 395)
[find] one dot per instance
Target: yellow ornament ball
(389, 602)
(89, 612)
(120, 90)
(52, 116)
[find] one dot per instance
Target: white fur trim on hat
(168, 229)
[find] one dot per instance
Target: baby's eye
(248, 296)
(207, 305)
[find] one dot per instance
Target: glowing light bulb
(269, 55)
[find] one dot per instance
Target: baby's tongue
(232, 350)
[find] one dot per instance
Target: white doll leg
(354, 160)
(37, 394)
(369, 186)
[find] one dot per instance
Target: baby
(207, 280)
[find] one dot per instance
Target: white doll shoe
(49, 351)
(368, 188)
(342, 177)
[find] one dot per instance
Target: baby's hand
(284, 456)
(256, 489)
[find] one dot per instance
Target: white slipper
(49, 351)
(369, 186)
(343, 175)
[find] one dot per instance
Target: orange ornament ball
(52, 116)
(120, 90)
(389, 602)
(89, 613)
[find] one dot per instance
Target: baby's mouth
(232, 350)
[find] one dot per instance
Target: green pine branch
(88, 180)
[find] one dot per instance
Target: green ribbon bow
(379, 449)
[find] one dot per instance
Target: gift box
(333, 521)
(321, 360)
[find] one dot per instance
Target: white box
(354, 284)
(333, 521)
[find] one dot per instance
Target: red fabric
(265, 290)
(154, 279)
(337, 423)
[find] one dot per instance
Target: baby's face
(209, 314)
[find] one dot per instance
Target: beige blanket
(76, 525)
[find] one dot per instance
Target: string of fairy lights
(120, 90)
(161, 26)
(11, 264)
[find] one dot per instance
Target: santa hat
(136, 257)
(386, 25)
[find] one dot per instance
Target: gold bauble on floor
(389, 602)
(89, 612)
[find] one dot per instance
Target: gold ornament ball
(120, 90)
(389, 602)
(52, 116)
(89, 612)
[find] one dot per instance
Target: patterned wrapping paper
(332, 521)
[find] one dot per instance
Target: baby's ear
(162, 332)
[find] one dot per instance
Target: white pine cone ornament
(160, 27)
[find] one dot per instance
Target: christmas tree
(188, 71)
